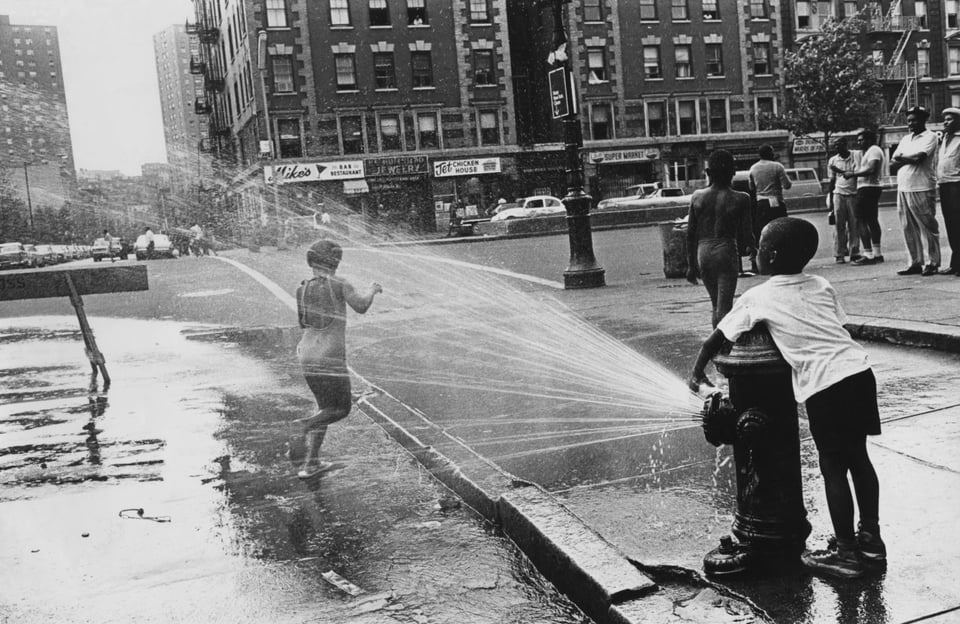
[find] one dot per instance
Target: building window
(339, 13)
(289, 132)
(923, 63)
(678, 10)
(390, 137)
(953, 8)
(761, 58)
(953, 55)
(351, 134)
(717, 115)
(592, 11)
(282, 73)
(648, 10)
(596, 65)
(955, 100)
(758, 9)
(803, 15)
(601, 122)
(480, 11)
(422, 69)
(651, 62)
(417, 12)
(920, 10)
(656, 119)
(346, 72)
(687, 116)
(483, 70)
(766, 109)
(384, 74)
(714, 59)
(276, 13)
(489, 128)
(682, 61)
(427, 136)
(877, 57)
(379, 13)
(684, 169)
(711, 10)
(850, 9)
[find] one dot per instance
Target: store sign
(807, 145)
(314, 172)
(397, 166)
(618, 156)
(561, 93)
(468, 166)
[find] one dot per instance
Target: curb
(905, 333)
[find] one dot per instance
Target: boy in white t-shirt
(831, 376)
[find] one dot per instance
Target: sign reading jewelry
(314, 172)
(468, 166)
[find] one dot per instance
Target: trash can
(673, 236)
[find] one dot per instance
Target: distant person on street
(917, 194)
(718, 224)
(831, 376)
(107, 237)
(196, 240)
(768, 181)
(844, 198)
(867, 207)
(948, 173)
(322, 312)
(148, 234)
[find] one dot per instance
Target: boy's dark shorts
(332, 390)
(845, 413)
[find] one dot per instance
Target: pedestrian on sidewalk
(767, 179)
(322, 312)
(107, 237)
(843, 197)
(948, 173)
(718, 226)
(917, 194)
(831, 376)
(867, 207)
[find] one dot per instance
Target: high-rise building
(34, 126)
(181, 82)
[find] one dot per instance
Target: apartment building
(34, 126)
(408, 106)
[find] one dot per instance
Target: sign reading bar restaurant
(468, 166)
(396, 166)
(314, 172)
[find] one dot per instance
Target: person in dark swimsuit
(718, 225)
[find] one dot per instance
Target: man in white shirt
(948, 173)
(844, 198)
(915, 159)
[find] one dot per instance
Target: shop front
(399, 192)
(539, 173)
(611, 172)
(465, 188)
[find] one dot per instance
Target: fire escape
(210, 66)
(896, 69)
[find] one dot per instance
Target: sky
(109, 72)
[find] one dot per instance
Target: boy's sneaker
(872, 548)
(833, 562)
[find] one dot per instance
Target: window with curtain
(687, 117)
(596, 64)
(651, 62)
(282, 73)
(384, 73)
(648, 10)
(390, 137)
(601, 121)
(679, 11)
(682, 61)
(480, 11)
(276, 13)
(339, 13)
(427, 131)
(346, 72)
(489, 128)
(714, 59)
(656, 119)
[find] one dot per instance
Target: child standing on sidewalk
(322, 312)
(831, 376)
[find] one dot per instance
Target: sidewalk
(627, 544)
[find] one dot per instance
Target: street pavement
(621, 523)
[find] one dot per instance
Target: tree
(830, 83)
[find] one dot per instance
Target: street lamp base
(590, 278)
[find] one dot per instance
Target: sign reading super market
(468, 166)
(314, 172)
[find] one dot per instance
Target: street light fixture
(583, 270)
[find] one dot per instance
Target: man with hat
(948, 172)
(917, 194)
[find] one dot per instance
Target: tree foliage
(830, 82)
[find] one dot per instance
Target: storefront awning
(355, 187)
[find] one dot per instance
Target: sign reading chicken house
(467, 166)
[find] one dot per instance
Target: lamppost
(597, 161)
(262, 66)
(583, 270)
(26, 182)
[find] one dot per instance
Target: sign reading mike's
(313, 172)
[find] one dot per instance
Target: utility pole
(262, 66)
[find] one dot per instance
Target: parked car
(101, 250)
(34, 259)
(660, 197)
(162, 248)
(48, 254)
(13, 256)
(533, 206)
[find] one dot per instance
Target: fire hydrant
(760, 421)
